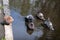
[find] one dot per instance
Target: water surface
(20, 30)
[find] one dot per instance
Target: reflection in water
(19, 28)
(32, 2)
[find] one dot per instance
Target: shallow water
(50, 8)
(20, 30)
